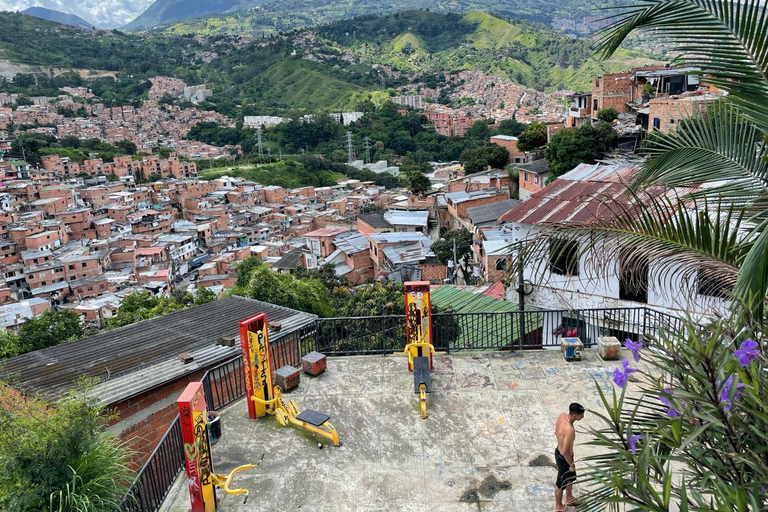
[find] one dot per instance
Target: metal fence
(152, 483)
(222, 385)
(513, 330)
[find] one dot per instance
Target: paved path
(487, 445)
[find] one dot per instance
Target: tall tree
(444, 250)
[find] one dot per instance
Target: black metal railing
(360, 335)
(155, 479)
(222, 385)
(513, 330)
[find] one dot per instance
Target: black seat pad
(313, 417)
(421, 373)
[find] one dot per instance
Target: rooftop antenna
(350, 147)
(367, 150)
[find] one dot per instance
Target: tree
(418, 183)
(326, 274)
(496, 156)
(533, 137)
(9, 344)
(203, 296)
(608, 114)
(50, 329)
(59, 457)
(443, 249)
(308, 295)
(574, 146)
(244, 270)
(510, 127)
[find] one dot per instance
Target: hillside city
(538, 210)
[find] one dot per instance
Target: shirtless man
(566, 468)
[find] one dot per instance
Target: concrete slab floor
(487, 445)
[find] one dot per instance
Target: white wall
(676, 295)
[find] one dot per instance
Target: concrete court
(487, 445)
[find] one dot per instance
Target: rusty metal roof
(577, 197)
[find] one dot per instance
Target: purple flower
(747, 352)
(632, 440)
(726, 391)
(620, 376)
(671, 411)
(634, 348)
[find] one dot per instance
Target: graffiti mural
(254, 341)
(197, 449)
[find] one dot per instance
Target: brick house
(138, 368)
(320, 241)
(510, 144)
(532, 177)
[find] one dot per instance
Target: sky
(103, 13)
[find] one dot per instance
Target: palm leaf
(717, 148)
(684, 241)
(725, 39)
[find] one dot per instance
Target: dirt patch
(488, 488)
(470, 496)
(542, 461)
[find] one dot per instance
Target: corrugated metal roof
(490, 212)
(352, 242)
(467, 302)
(141, 356)
(493, 329)
(407, 218)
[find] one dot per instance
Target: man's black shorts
(564, 474)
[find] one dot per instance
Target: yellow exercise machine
(289, 413)
(201, 480)
(265, 398)
(418, 333)
(224, 481)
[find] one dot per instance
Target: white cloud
(104, 13)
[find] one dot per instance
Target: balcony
(579, 113)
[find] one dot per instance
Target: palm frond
(725, 39)
(683, 241)
(717, 148)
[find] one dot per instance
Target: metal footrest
(313, 417)
(421, 374)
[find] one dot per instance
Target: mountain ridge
(57, 17)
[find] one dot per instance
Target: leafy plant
(59, 457)
(696, 438)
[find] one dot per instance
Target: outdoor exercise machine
(193, 419)
(265, 398)
(418, 334)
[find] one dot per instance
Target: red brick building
(510, 144)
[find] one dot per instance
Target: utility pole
(367, 150)
(258, 141)
(350, 148)
(455, 262)
(520, 284)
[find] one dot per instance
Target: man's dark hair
(576, 408)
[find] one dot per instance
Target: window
(633, 276)
(564, 257)
(71, 267)
(101, 286)
(525, 176)
(594, 105)
(501, 264)
(85, 264)
(712, 285)
(31, 276)
(90, 288)
(656, 123)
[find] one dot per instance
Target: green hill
(428, 42)
(294, 83)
